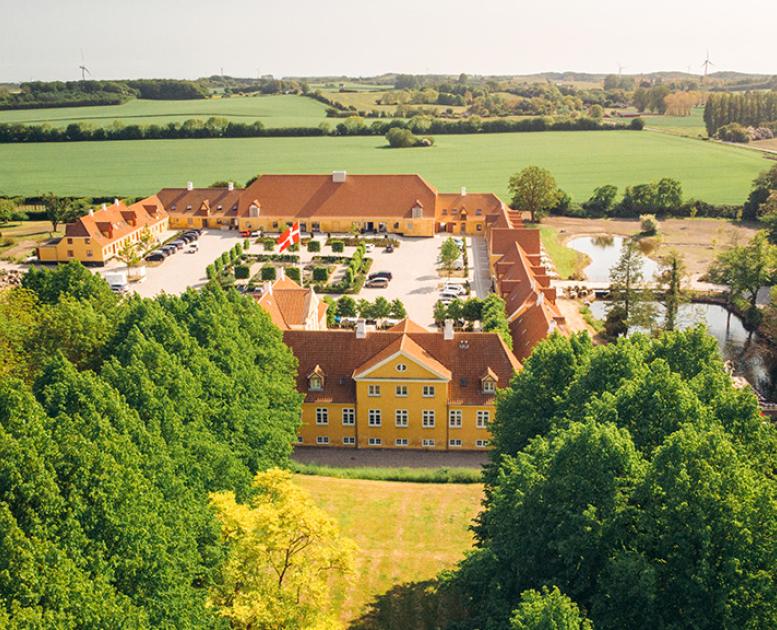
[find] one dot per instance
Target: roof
(310, 196)
(288, 304)
(488, 203)
(406, 346)
(117, 220)
(213, 202)
(339, 353)
(407, 325)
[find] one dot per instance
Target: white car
(449, 295)
(454, 288)
(368, 247)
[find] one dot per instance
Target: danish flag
(289, 237)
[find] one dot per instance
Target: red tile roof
(200, 202)
(117, 220)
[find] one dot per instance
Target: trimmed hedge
(294, 274)
(268, 273)
(314, 246)
(337, 246)
(320, 274)
(242, 272)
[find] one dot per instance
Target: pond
(604, 252)
(751, 356)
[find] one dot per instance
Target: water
(752, 358)
(604, 252)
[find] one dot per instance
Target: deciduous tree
(533, 189)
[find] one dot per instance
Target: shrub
(338, 247)
(733, 132)
(269, 244)
(268, 272)
(320, 274)
(648, 224)
(314, 246)
(293, 273)
(637, 124)
(242, 272)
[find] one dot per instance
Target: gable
(415, 368)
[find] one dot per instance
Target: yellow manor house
(404, 387)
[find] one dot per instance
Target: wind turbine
(621, 68)
(83, 68)
(706, 65)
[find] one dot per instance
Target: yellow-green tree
(282, 550)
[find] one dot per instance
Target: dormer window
(479, 211)
(316, 379)
(489, 386)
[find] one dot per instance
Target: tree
(58, 210)
(601, 200)
(449, 254)
(671, 292)
(744, 269)
(129, 254)
(398, 310)
(331, 313)
(381, 308)
(346, 307)
(763, 186)
(282, 550)
(548, 610)
(627, 288)
(494, 318)
(533, 189)
(668, 194)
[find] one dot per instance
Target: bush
(648, 224)
(269, 244)
(294, 274)
(637, 124)
(268, 272)
(338, 247)
(733, 132)
(242, 272)
(320, 274)
(314, 246)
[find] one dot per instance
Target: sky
(43, 39)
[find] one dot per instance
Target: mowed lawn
(580, 161)
(273, 111)
(406, 532)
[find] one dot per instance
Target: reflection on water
(752, 357)
(604, 252)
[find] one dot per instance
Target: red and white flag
(289, 237)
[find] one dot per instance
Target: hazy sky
(42, 39)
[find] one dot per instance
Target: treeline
(118, 417)
(355, 126)
(631, 486)
(40, 94)
(751, 109)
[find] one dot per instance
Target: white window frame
(427, 443)
(454, 443)
(401, 367)
(373, 391)
(489, 387)
(400, 442)
(482, 418)
(428, 419)
(428, 391)
(322, 416)
(315, 387)
(348, 416)
(400, 391)
(374, 418)
(322, 439)
(454, 418)
(401, 418)
(375, 441)
(349, 440)
(481, 443)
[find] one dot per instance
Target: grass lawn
(579, 160)
(18, 238)
(273, 111)
(567, 261)
(405, 532)
(689, 126)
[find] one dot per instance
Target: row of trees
(750, 109)
(381, 308)
(631, 486)
(490, 312)
(118, 419)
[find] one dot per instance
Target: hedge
(268, 273)
(293, 274)
(314, 246)
(337, 246)
(320, 274)
(242, 272)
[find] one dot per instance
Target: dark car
(192, 233)
(187, 238)
(381, 274)
(168, 250)
(156, 256)
(178, 243)
(389, 249)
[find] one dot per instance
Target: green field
(406, 532)
(579, 160)
(690, 126)
(273, 111)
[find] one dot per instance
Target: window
(322, 415)
(401, 391)
(349, 416)
(315, 383)
(88, 241)
(454, 418)
(190, 221)
(489, 387)
(401, 367)
(428, 391)
(373, 417)
(445, 212)
(481, 443)
(400, 442)
(299, 439)
(373, 390)
(374, 441)
(349, 439)
(480, 227)
(454, 443)
(479, 211)
(70, 253)
(427, 418)
(481, 419)
(400, 417)
(427, 443)
(322, 439)
(89, 253)
(70, 241)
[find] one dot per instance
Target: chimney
(281, 273)
(447, 333)
(361, 328)
(115, 201)
(91, 212)
(189, 185)
(463, 191)
(231, 186)
(104, 207)
(267, 288)
(338, 177)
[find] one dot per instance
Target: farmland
(579, 160)
(272, 111)
(406, 532)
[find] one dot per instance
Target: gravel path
(351, 458)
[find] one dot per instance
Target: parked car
(187, 238)
(178, 243)
(381, 274)
(459, 241)
(168, 250)
(256, 234)
(377, 283)
(455, 288)
(389, 249)
(156, 256)
(193, 233)
(245, 233)
(193, 248)
(449, 294)
(368, 247)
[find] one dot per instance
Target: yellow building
(98, 236)
(197, 208)
(404, 387)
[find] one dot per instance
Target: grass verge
(414, 475)
(569, 262)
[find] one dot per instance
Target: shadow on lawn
(414, 605)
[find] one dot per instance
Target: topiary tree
(314, 245)
(294, 274)
(242, 272)
(320, 274)
(268, 272)
(338, 247)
